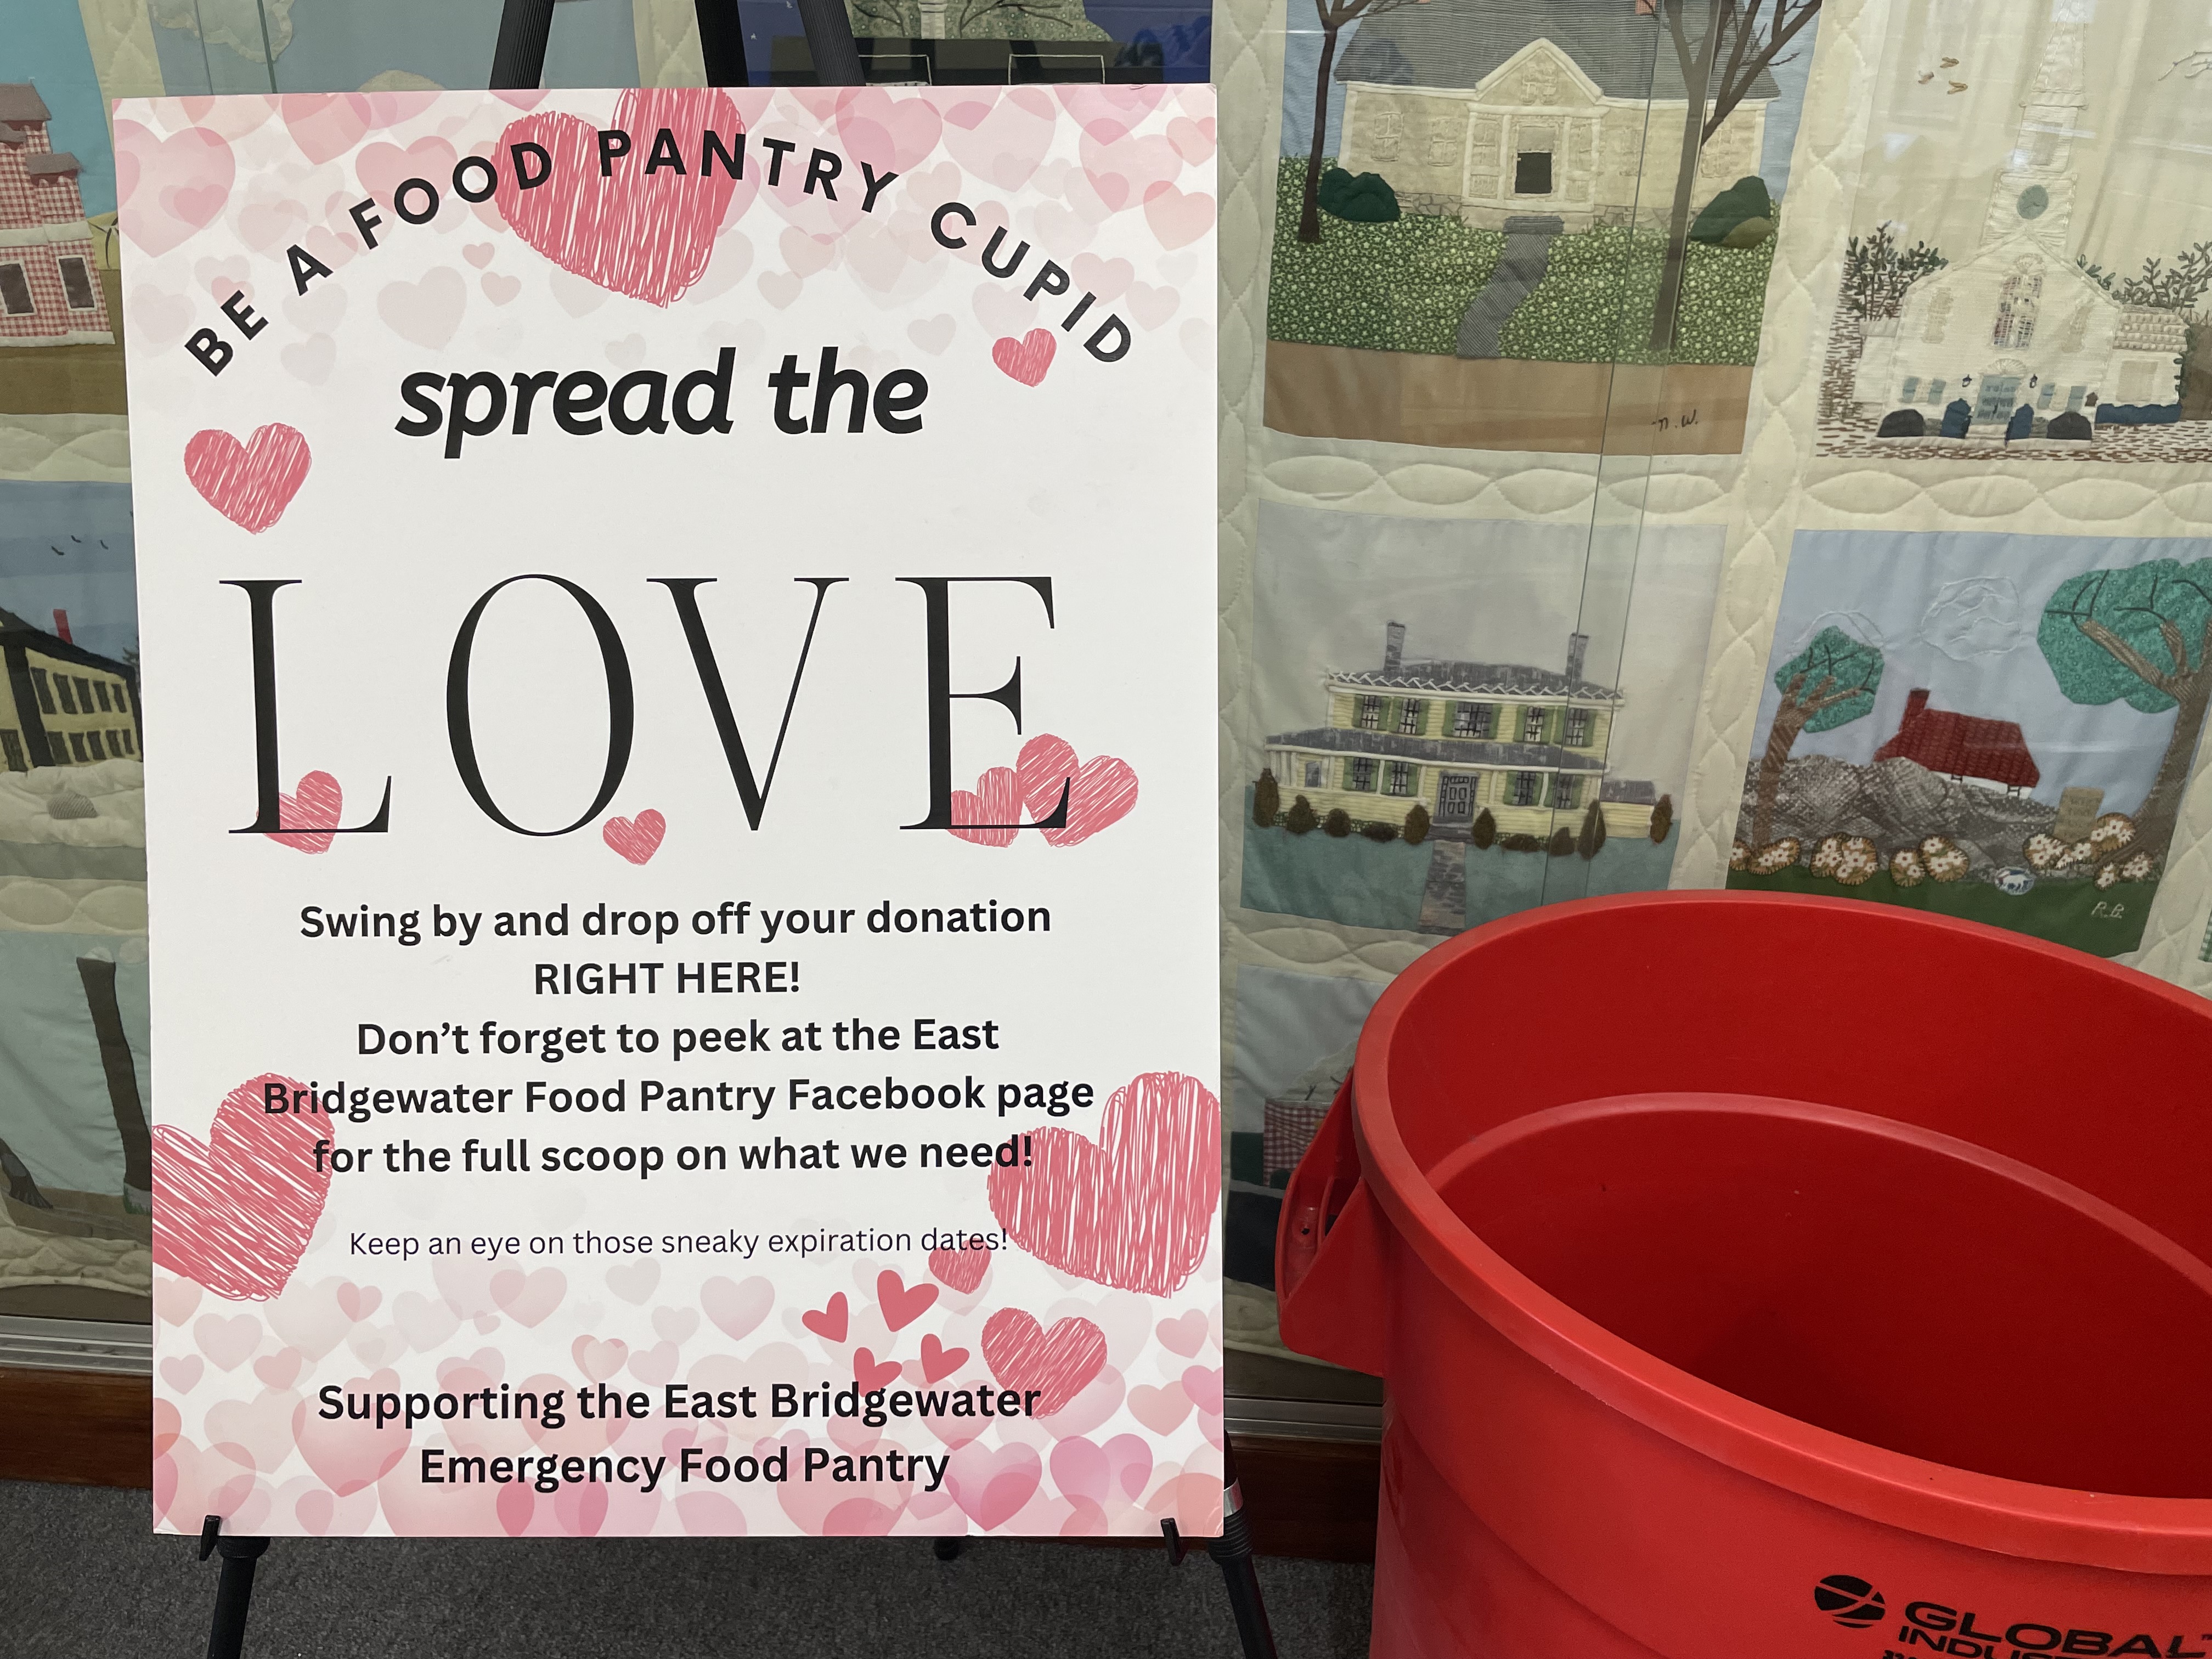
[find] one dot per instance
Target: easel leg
(1232, 1554)
(234, 1592)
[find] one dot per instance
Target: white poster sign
(679, 639)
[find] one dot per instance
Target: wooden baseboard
(1314, 1498)
(84, 1428)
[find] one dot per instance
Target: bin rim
(2162, 1536)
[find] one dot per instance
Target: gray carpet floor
(82, 1576)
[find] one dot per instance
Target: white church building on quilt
(2018, 321)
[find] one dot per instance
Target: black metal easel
(518, 62)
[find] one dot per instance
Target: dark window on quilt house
(11, 749)
(1471, 720)
(68, 697)
(115, 747)
(1526, 787)
(46, 691)
(130, 744)
(16, 291)
(84, 694)
(1359, 773)
(1370, 714)
(1409, 717)
(100, 690)
(76, 284)
(76, 748)
(1531, 173)
(1578, 728)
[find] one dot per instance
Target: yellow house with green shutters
(1526, 745)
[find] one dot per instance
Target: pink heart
(1134, 1209)
(637, 839)
(314, 807)
(1159, 1409)
(1100, 792)
(175, 1299)
(257, 1433)
(235, 1212)
(1203, 1385)
(1177, 216)
(993, 1483)
(1185, 1335)
(528, 1299)
(1022, 1354)
(736, 1308)
(382, 168)
(348, 1454)
(228, 1342)
(938, 1361)
(280, 1370)
(251, 484)
(325, 125)
(358, 1302)
(182, 1372)
(650, 236)
(828, 1323)
(900, 1305)
(1026, 358)
(962, 1270)
(598, 1360)
(892, 134)
(871, 1374)
(168, 188)
(1002, 138)
(995, 801)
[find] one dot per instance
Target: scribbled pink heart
(828, 1323)
(736, 1307)
(235, 1212)
(249, 484)
(938, 1361)
(872, 1375)
(1023, 1354)
(168, 188)
(1026, 358)
(648, 235)
(1134, 1208)
(901, 1304)
(962, 1270)
(637, 839)
(993, 1483)
(309, 813)
(1100, 792)
(994, 802)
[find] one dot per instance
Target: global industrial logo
(1936, 1627)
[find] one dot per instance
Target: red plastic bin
(1773, 1277)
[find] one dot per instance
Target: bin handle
(1331, 1300)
